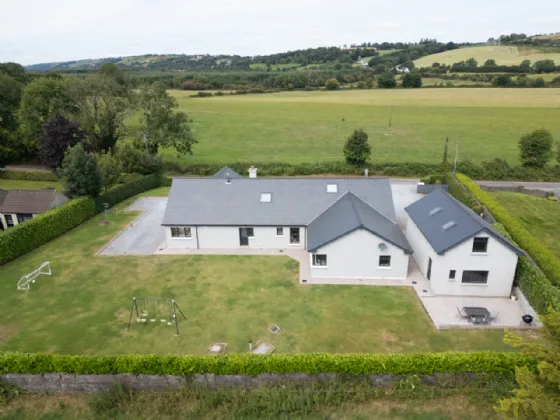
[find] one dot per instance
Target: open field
(539, 216)
(16, 184)
(504, 55)
(300, 127)
(83, 307)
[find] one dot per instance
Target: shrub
(386, 80)
(202, 95)
(27, 236)
(546, 259)
(457, 191)
(357, 149)
(496, 169)
(247, 364)
(502, 80)
(80, 173)
(412, 80)
(536, 148)
(332, 84)
(29, 176)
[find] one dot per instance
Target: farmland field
(504, 55)
(83, 308)
(300, 127)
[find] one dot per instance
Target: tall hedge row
(27, 236)
(246, 364)
(457, 191)
(29, 176)
(123, 191)
(537, 288)
(546, 259)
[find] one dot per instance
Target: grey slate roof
(30, 201)
(225, 171)
(348, 214)
(468, 223)
(295, 201)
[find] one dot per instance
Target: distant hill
(504, 55)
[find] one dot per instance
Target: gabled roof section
(30, 201)
(295, 201)
(453, 224)
(348, 214)
(225, 172)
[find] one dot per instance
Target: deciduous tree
(80, 174)
(386, 80)
(412, 80)
(163, 126)
(109, 168)
(536, 148)
(332, 84)
(471, 62)
(490, 63)
(544, 66)
(58, 135)
(10, 95)
(357, 149)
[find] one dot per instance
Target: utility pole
(456, 155)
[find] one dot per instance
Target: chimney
(252, 172)
(366, 172)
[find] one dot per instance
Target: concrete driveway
(145, 234)
(404, 194)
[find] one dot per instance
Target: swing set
(160, 310)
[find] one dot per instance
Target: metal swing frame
(44, 269)
(138, 303)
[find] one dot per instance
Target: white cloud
(35, 31)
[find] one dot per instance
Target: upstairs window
(480, 245)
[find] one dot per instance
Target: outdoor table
(477, 315)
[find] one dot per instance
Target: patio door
(429, 274)
(243, 237)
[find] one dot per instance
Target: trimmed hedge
(457, 191)
(27, 236)
(123, 191)
(29, 176)
(537, 288)
(545, 259)
(246, 364)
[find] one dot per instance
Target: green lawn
(298, 127)
(84, 306)
(16, 184)
(539, 216)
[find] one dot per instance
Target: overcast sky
(36, 31)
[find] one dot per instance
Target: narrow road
(544, 186)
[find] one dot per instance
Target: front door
(243, 237)
(429, 274)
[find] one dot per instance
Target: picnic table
(477, 315)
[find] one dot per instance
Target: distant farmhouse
(17, 206)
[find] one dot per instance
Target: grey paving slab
(144, 234)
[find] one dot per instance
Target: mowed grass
(83, 308)
(504, 55)
(298, 127)
(16, 184)
(539, 216)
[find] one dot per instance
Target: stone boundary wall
(518, 189)
(68, 383)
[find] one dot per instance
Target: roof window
(435, 211)
(266, 197)
(449, 225)
(332, 188)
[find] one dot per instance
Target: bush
(496, 169)
(536, 148)
(545, 259)
(123, 191)
(247, 364)
(202, 95)
(29, 176)
(412, 80)
(332, 84)
(27, 236)
(357, 149)
(386, 80)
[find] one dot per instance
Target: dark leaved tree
(490, 63)
(544, 66)
(412, 80)
(536, 148)
(357, 149)
(386, 80)
(80, 174)
(58, 135)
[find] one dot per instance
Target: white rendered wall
(356, 255)
(181, 242)
(264, 237)
(499, 260)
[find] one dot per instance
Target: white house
(348, 225)
(457, 250)
(402, 69)
(17, 206)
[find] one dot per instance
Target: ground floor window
(294, 235)
(384, 261)
(9, 220)
(22, 217)
(319, 260)
(181, 232)
(475, 277)
(279, 231)
(452, 274)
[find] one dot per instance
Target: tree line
(46, 117)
